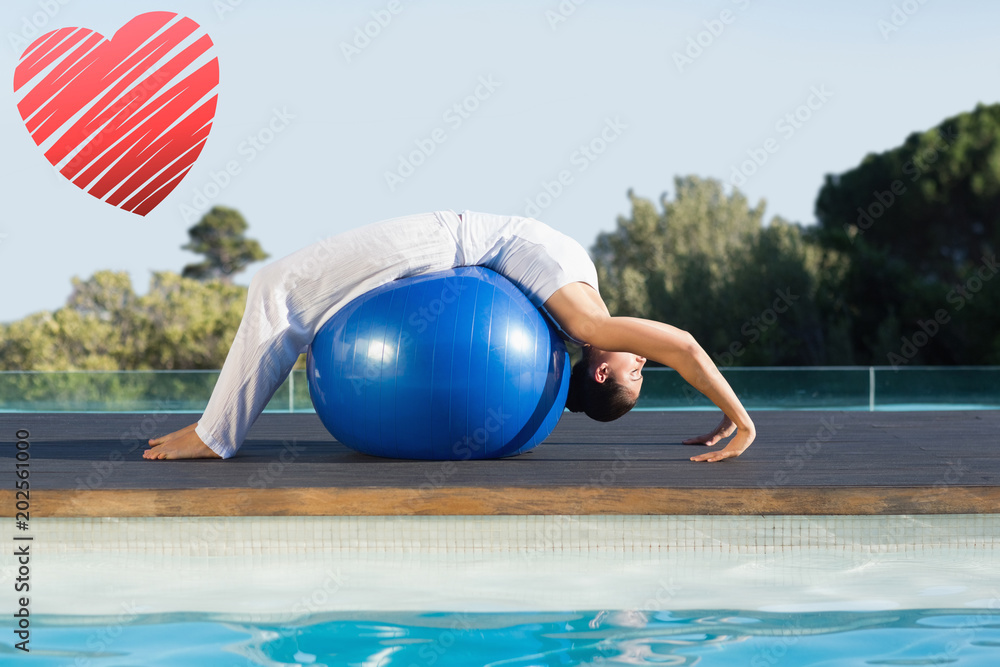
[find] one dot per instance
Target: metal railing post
(871, 389)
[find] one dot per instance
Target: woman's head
(605, 385)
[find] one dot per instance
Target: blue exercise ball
(450, 365)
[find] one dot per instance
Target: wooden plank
(669, 474)
(507, 501)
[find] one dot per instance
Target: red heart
(123, 119)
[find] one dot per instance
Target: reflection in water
(610, 637)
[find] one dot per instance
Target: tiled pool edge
(240, 536)
(300, 569)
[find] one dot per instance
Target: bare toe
(153, 442)
(187, 445)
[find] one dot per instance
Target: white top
(529, 253)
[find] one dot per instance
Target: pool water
(605, 637)
(510, 590)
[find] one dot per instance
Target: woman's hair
(602, 401)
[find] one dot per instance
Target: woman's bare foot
(182, 444)
(170, 436)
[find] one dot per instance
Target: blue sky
(607, 76)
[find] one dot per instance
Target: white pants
(290, 299)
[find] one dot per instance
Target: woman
(289, 300)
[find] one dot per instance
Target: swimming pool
(716, 637)
(525, 590)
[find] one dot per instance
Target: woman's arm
(582, 314)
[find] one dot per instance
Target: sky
(549, 109)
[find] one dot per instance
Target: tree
(180, 324)
(934, 201)
(921, 225)
(219, 235)
(647, 257)
(749, 294)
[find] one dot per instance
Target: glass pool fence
(760, 388)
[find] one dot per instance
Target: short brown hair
(602, 401)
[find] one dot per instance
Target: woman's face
(624, 367)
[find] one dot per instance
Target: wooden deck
(822, 462)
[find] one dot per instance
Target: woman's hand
(722, 431)
(736, 446)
